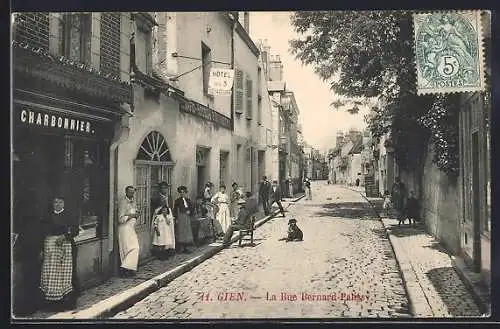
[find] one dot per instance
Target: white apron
(129, 245)
(166, 238)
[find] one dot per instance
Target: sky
(319, 120)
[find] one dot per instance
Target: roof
(276, 85)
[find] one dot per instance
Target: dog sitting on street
(294, 232)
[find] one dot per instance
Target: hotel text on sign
(56, 121)
(221, 82)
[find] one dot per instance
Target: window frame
(72, 167)
(206, 61)
(84, 33)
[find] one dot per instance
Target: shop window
(153, 165)
(84, 180)
(75, 36)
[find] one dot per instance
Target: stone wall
(439, 203)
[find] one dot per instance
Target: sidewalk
(432, 281)
(117, 294)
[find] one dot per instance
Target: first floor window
(153, 165)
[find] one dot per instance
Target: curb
(410, 281)
(483, 300)
(418, 304)
(117, 303)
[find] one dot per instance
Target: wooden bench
(245, 232)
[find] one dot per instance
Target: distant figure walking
(264, 190)
(307, 184)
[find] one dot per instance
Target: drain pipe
(123, 131)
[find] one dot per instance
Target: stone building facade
(72, 99)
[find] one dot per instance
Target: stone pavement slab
(433, 285)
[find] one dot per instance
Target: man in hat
(161, 199)
(276, 197)
(294, 232)
(264, 189)
(241, 222)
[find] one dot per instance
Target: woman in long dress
(163, 232)
(58, 282)
(183, 212)
(221, 199)
(236, 194)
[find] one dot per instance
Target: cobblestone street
(345, 258)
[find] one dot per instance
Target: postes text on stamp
(448, 52)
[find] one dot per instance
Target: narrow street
(345, 267)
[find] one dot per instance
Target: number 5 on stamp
(449, 52)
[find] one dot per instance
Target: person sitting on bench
(241, 222)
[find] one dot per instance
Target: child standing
(387, 203)
(164, 234)
(412, 209)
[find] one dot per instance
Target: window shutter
(249, 99)
(238, 104)
(110, 42)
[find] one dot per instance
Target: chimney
(275, 69)
(340, 138)
(246, 21)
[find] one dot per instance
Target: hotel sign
(55, 121)
(220, 82)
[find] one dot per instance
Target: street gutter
(120, 302)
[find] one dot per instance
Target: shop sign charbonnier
(55, 121)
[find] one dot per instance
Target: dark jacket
(243, 219)
(264, 189)
(158, 201)
(179, 207)
(276, 195)
(412, 208)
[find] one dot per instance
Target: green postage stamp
(449, 52)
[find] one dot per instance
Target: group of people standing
(171, 229)
(405, 204)
(175, 228)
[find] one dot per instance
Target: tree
(370, 54)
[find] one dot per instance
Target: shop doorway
(202, 169)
